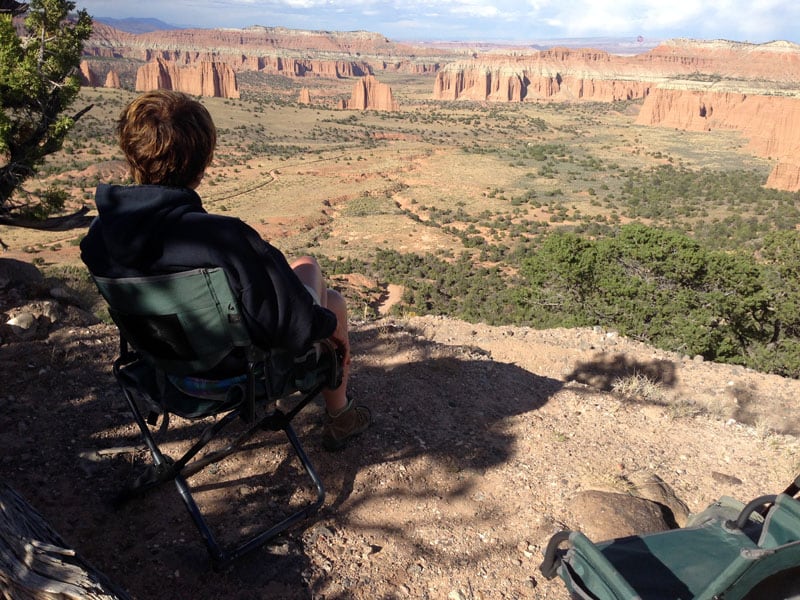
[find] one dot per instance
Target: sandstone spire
(370, 94)
(87, 76)
(112, 80)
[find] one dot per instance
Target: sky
(754, 21)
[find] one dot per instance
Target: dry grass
(638, 387)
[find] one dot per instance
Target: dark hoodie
(149, 230)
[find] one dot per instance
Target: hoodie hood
(134, 219)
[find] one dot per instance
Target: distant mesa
(271, 50)
(370, 94)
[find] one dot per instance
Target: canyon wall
(515, 81)
(777, 62)
(272, 64)
(557, 74)
(199, 79)
(586, 74)
(771, 124)
(272, 50)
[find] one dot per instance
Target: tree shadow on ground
(449, 404)
(603, 372)
(745, 403)
(450, 409)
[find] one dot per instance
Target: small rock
(726, 479)
(651, 487)
(14, 272)
(23, 326)
(606, 515)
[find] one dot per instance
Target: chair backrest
(183, 323)
(782, 525)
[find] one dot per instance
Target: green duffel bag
(730, 551)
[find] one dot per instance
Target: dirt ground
(482, 436)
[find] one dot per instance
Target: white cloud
(761, 19)
(753, 20)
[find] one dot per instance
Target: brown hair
(167, 137)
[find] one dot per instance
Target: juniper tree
(39, 61)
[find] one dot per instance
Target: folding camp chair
(174, 327)
(727, 552)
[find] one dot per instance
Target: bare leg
(310, 273)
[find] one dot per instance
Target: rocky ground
(486, 441)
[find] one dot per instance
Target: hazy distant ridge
(134, 25)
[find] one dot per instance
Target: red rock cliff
(774, 61)
(201, 79)
(559, 74)
(275, 50)
(567, 74)
(87, 75)
(770, 123)
(112, 80)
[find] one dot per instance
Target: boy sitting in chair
(159, 226)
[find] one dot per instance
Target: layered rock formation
(201, 79)
(567, 74)
(560, 74)
(273, 50)
(89, 77)
(774, 62)
(370, 94)
(305, 96)
(771, 124)
(287, 66)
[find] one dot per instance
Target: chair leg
(224, 559)
(164, 468)
(178, 471)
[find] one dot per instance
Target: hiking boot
(348, 423)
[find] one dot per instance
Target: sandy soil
(482, 437)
